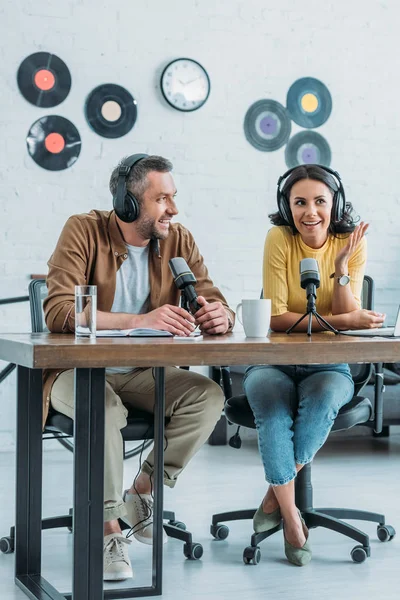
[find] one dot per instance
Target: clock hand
(191, 80)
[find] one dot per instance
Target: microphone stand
(311, 293)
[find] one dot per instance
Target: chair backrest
(37, 293)
(362, 372)
(368, 293)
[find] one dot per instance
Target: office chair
(140, 426)
(359, 411)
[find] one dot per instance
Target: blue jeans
(294, 409)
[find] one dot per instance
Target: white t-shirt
(132, 289)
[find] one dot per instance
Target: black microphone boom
(184, 281)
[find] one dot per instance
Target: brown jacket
(90, 250)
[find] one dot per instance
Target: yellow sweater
(283, 252)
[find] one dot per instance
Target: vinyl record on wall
(44, 79)
(111, 110)
(307, 147)
(309, 102)
(54, 143)
(267, 125)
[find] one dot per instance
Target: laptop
(378, 331)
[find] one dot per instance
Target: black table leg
(28, 517)
(88, 513)
(159, 416)
(28, 532)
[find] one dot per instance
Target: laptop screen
(397, 324)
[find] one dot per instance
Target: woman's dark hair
(348, 220)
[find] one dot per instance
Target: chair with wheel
(140, 427)
(359, 411)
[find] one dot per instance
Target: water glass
(85, 311)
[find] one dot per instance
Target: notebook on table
(139, 332)
(378, 331)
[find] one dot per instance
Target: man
(126, 255)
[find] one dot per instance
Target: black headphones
(125, 204)
(339, 198)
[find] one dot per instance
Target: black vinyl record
(110, 110)
(267, 125)
(309, 102)
(307, 147)
(44, 79)
(54, 143)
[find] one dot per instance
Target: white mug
(255, 317)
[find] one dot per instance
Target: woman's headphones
(125, 204)
(339, 198)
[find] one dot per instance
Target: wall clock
(185, 84)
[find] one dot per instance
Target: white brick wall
(252, 50)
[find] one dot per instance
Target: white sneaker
(117, 565)
(139, 516)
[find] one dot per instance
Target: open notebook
(196, 335)
(378, 331)
(133, 333)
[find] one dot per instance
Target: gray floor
(359, 472)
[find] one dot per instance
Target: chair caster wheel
(177, 524)
(193, 551)
(7, 545)
(251, 555)
(385, 533)
(359, 554)
(220, 532)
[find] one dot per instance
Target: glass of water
(85, 311)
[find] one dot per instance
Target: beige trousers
(193, 403)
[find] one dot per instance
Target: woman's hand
(342, 258)
(365, 319)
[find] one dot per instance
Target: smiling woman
(295, 406)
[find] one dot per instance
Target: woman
(295, 406)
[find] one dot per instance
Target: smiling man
(125, 253)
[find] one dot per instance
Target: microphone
(184, 281)
(310, 280)
(309, 277)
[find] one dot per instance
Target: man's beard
(147, 228)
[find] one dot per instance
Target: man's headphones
(339, 198)
(125, 204)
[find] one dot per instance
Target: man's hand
(212, 317)
(171, 318)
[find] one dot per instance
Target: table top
(62, 351)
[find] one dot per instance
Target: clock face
(185, 84)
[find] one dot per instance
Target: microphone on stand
(309, 281)
(184, 281)
(309, 278)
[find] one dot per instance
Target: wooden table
(34, 352)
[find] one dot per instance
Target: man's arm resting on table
(170, 318)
